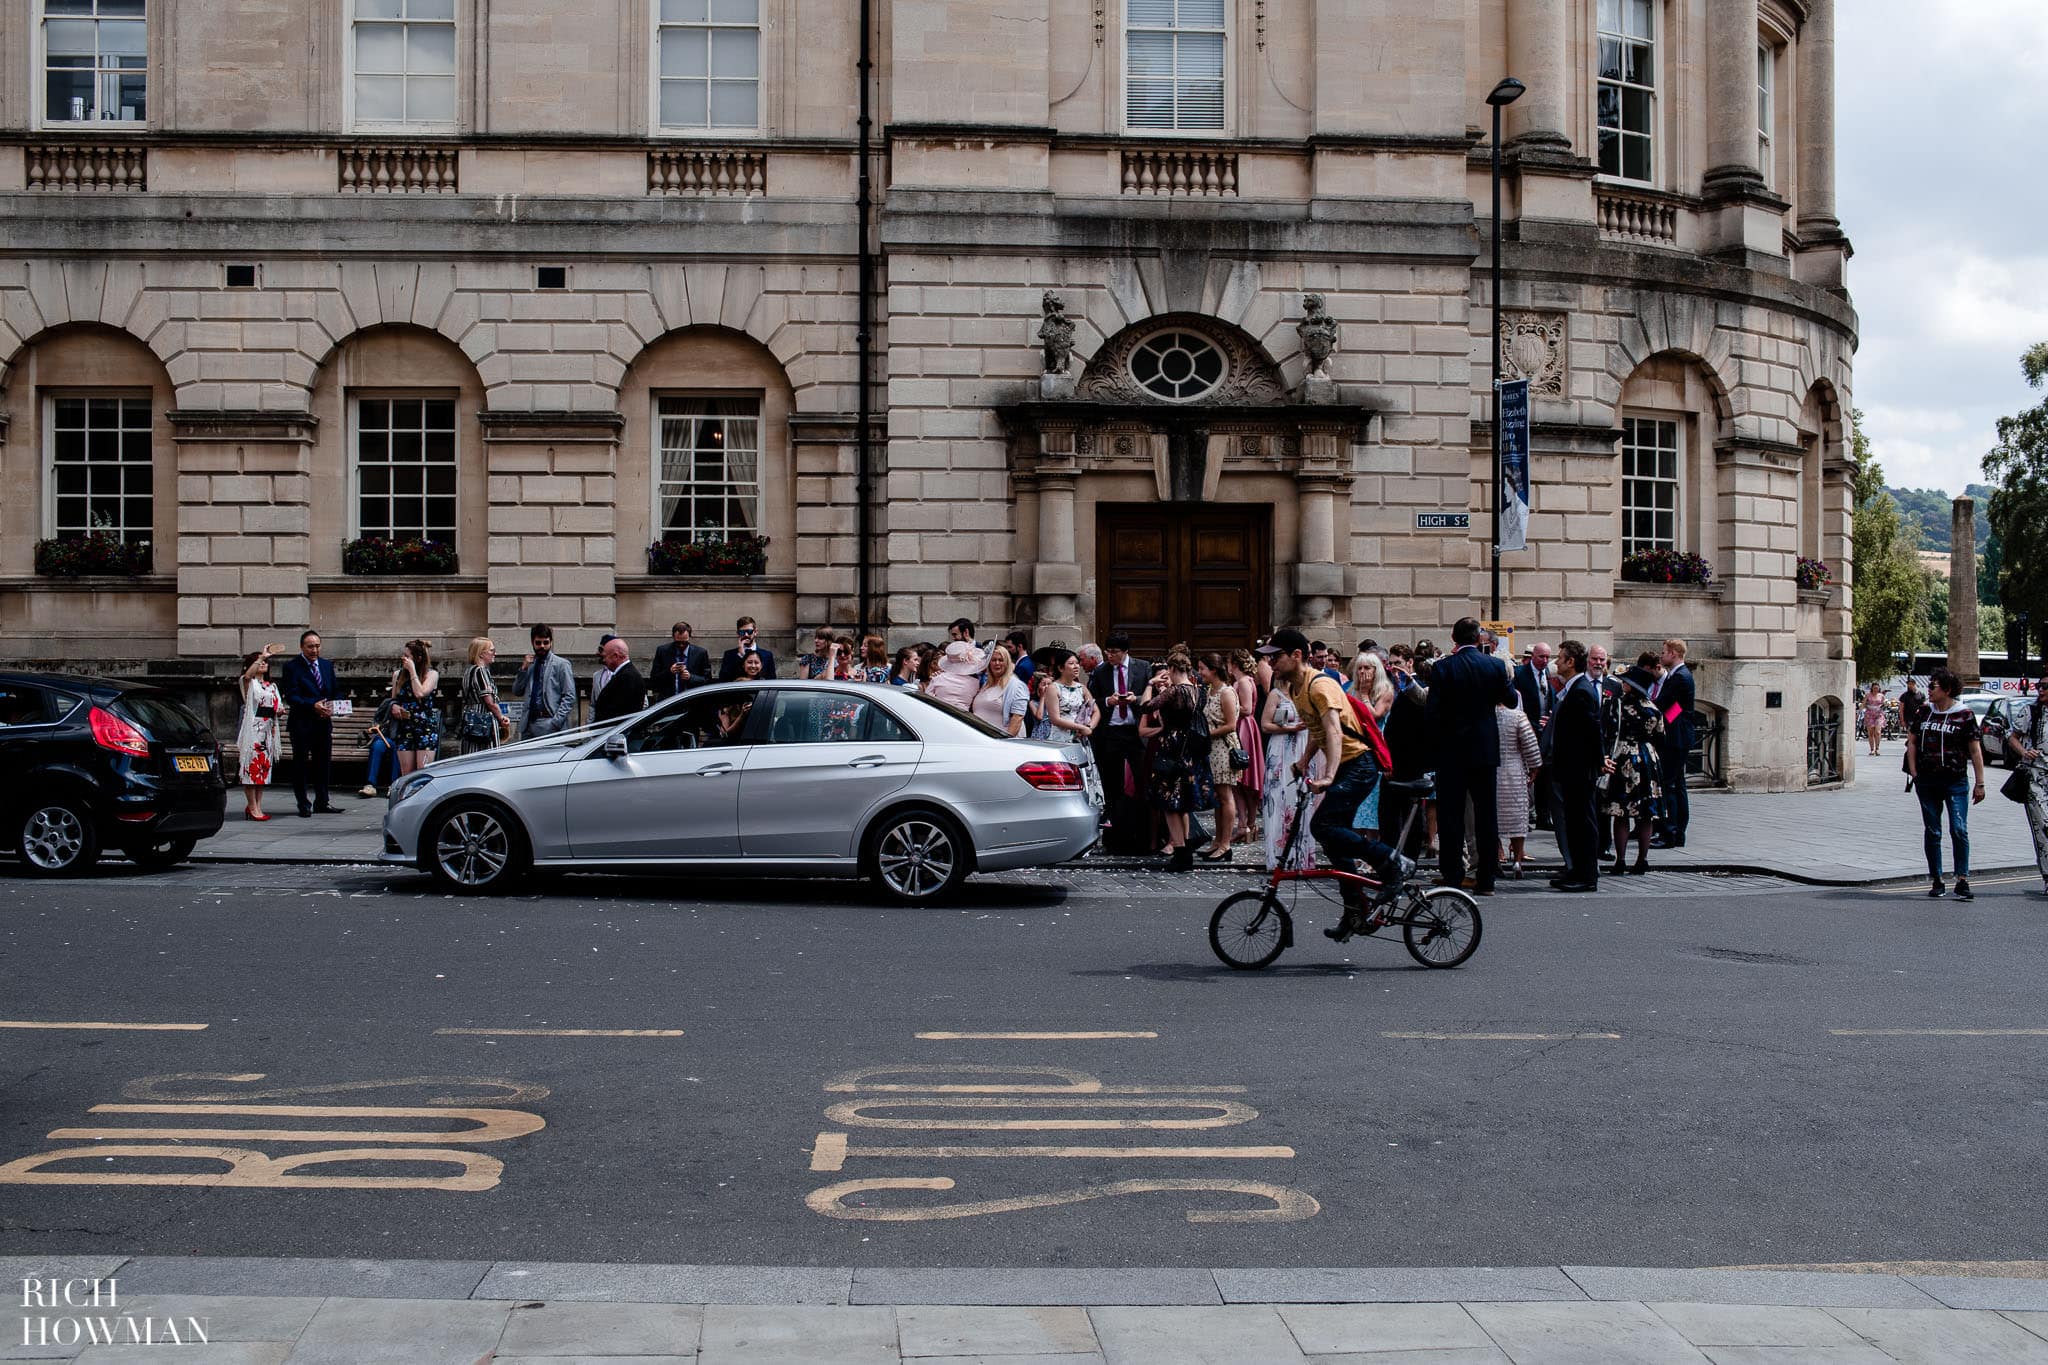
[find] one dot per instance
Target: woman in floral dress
(1637, 784)
(256, 740)
(1286, 737)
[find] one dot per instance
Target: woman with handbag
(256, 741)
(2029, 783)
(483, 721)
(1220, 709)
(1181, 784)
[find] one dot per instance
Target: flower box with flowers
(1675, 567)
(96, 552)
(378, 557)
(737, 556)
(1814, 575)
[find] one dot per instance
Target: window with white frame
(707, 64)
(1651, 468)
(1766, 113)
(402, 63)
(405, 467)
(101, 466)
(95, 61)
(1627, 95)
(707, 477)
(1173, 65)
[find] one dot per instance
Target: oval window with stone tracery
(1177, 366)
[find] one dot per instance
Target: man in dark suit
(1116, 685)
(1577, 758)
(729, 666)
(309, 690)
(1465, 687)
(680, 665)
(624, 690)
(1674, 695)
(1532, 685)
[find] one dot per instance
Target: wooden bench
(351, 748)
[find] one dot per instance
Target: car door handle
(868, 761)
(715, 770)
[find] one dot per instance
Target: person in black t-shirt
(1941, 753)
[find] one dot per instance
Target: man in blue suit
(1674, 696)
(1465, 687)
(309, 690)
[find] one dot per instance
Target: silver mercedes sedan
(805, 778)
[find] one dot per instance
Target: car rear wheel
(168, 853)
(918, 857)
(474, 848)
(57, 839)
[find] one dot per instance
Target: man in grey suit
(549, 686)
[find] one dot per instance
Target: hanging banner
(1512, 406)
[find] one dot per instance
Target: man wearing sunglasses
(729, 666)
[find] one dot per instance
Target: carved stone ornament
(1084, 443)
(1532, 347)
(1125, 445)
(1248, 378)
(1318, 332)
(1056, 334)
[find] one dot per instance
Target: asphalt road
(1726, 1124)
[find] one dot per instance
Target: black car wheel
(57, 839)
(475, 848)
(157, 856)
(918, 857)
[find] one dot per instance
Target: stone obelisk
(1963, 659)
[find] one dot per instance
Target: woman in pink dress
(1251, 781)
(1873, 716)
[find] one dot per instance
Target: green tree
(1989, 565)
(1933, 610)
(1990, 631)
(1889, 610)
(2018, 468)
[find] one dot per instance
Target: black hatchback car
(90, 765)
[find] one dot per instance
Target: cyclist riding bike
(1350, 771)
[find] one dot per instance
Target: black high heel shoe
(1642, 865)
(1183, 860)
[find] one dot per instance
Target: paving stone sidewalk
(1866, 831)
(287, 1312)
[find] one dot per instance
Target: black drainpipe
(864, 334)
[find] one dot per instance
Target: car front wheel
(57, 839)
(474, 848)
(919, 857)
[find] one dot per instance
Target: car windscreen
(163, 719)
(966, 718)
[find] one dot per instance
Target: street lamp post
(1502, 95)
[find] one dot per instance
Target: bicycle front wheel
(1249, 930)
(1441, 927)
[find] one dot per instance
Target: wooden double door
(1166, 573)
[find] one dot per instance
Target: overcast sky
(1942, 181)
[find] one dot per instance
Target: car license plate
(194, 763)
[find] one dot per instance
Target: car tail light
(109, 731)
(1052, 777)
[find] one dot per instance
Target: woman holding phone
(418, 711)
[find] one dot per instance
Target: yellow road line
(1501, 1037)
(132, 1028)
(566, 1032)
(1939, 1032)
(1921, 889)
(1030, 1037)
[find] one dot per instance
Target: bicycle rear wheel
(1441, 927)
(1249, 930)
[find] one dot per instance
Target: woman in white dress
(1521, 757)
(1064, 707)
(1286, 737)
(256, 739)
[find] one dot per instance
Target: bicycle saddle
(1424, 785)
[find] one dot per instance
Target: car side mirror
(615, 747)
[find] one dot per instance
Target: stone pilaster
(1322, 485)
(1824, 251)
(1537, 37)
(827, 455)
(1756, 496)
(1964, 659)
(1747, 219)
(244, 543)
(552, 524)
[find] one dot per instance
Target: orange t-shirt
(1319, 698)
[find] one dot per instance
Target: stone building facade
(555, 282)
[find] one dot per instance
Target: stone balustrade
(87, 167)
(712, 171)
(385, 168)
(1194, 172)
(1631, 216)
